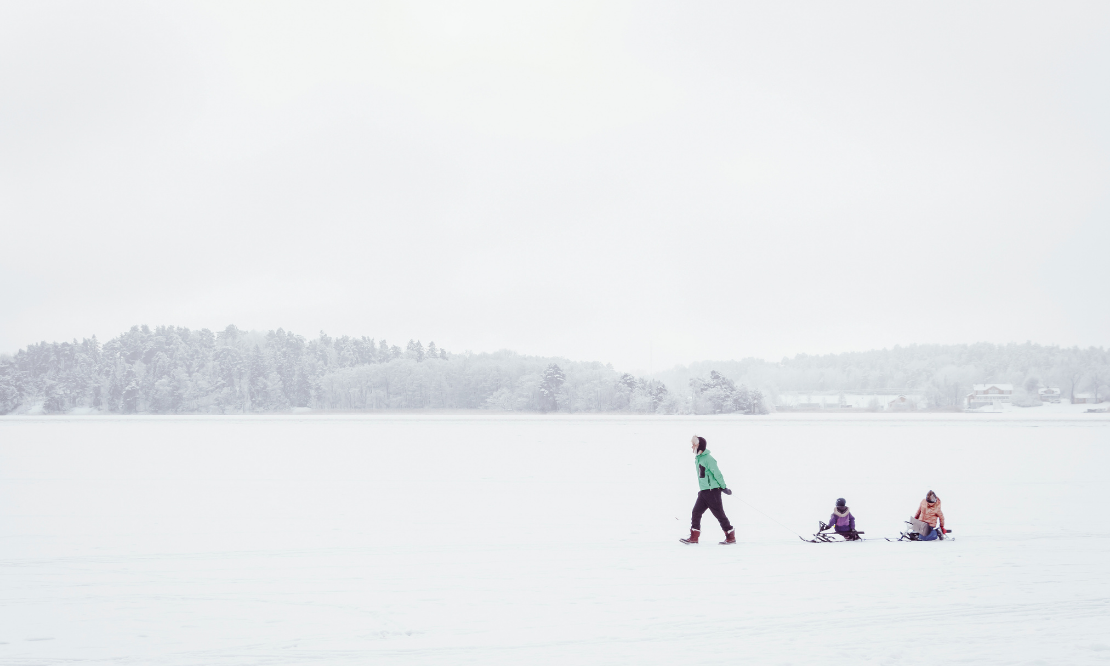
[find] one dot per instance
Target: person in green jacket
(710, 486)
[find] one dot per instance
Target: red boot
(693, 537)
(730, 537)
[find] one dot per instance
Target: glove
(726, 491)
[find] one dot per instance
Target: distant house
(988, 394)
(900, 403)
(1085, 398)
(1049, 394)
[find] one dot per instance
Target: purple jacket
(843, 523)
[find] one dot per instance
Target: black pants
(710, 499)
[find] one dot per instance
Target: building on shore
(901, 403)
(1049, 394)
(989, 394)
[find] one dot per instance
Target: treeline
(171, 370)
(943, 373)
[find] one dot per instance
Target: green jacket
(708, 474)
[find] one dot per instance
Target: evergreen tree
(658, 394)
(130, 396)
(550, 383)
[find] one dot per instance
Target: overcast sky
(689, 180)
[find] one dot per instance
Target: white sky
(704, 180)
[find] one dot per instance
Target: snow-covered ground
(832, 400)
(523, 540)
(1042, 410)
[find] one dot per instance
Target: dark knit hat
(701, 444)
(840, 501)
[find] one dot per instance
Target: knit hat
(840, 501)
(701, 444)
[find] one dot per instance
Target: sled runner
(910, 535)
(830, 537)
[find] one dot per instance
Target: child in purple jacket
(842, 520)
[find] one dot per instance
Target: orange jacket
(930, 514)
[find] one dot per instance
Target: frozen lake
(517, 540)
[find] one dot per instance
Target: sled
(830, 537)
(909, 535)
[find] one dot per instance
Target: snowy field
(549, 540)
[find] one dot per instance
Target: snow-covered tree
(550, 383)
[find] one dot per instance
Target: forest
(942, 373)
(171, 370)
